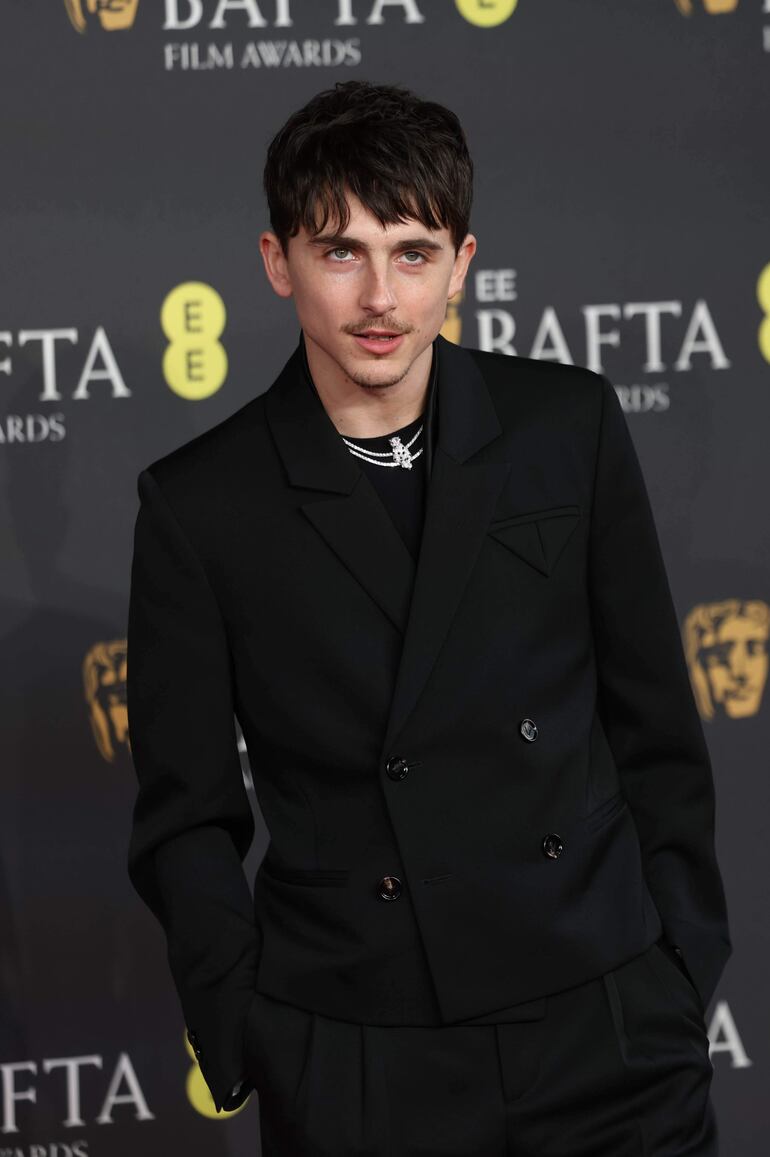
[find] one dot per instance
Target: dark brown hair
(399, 155)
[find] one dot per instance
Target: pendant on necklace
(401, 453)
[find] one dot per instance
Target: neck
(368, 411)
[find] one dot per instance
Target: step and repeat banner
(622, 217)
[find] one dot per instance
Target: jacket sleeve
(648, 709)
(192, 822)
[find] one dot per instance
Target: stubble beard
(366, 384)
(360, 375)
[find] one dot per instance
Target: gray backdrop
(621, 213)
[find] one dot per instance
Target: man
(490, 916)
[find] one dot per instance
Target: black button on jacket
(269, 581)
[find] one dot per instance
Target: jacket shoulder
(197, 464)
(559, 376)
(555, 392)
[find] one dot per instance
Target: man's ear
(276, 265)
(462, 261)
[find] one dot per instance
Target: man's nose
(377, 295)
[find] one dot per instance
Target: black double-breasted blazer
(483, 774)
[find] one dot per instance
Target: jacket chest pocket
(606, 811)
(538, 537)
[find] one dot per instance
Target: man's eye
(341, 255)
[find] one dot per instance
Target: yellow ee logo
(486, 13)
(198, 1092)
(763, 297)
(193, 316)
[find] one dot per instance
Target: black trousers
(616, 1067)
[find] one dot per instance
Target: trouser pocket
(667, 957)
(656, 1010)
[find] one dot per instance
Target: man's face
(371, 300)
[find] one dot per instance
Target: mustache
(367, 325)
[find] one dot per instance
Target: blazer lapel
(460, 499)
(419, 600)
(348, 514)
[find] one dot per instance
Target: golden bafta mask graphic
(114, 15)
(453, 324)
(726, 645)
(104, 684)
(712, 6)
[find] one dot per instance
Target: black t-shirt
(402, 490)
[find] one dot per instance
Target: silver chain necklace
(400, 455)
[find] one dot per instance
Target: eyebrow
(340, 240)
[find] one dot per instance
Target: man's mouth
(379, 342)
(383, 335)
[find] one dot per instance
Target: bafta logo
(726, 645)
(104, 685)
(114, 15)
(714, 7)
